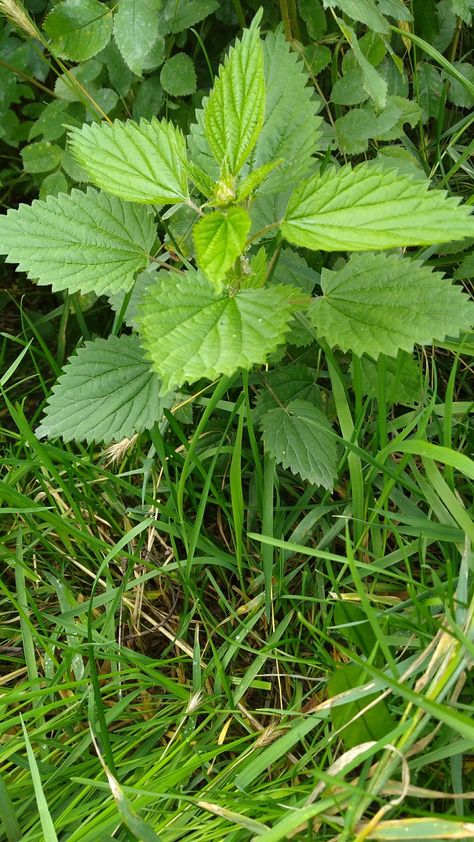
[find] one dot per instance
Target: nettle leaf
(292, 269)
(87, 242)
(430, 86)
(233, 114)
(79, 28)
(116, 300)
(378, 304)
(136, 29)
(291, 126)
(178, 75)
(285, 384)
(106, 393)
(403, 378)
(372, 208)
(299, 437)
(219, 238)
(189, 331)
(140, 162)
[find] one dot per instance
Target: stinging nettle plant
(249, 177)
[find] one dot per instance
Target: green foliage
(370, 208)
(136, 30)
(234, 112)
(379, 304)
(141, 162)
(87, 242)
(252, 156)
(299, 437)
(190, 331)
(106, 393)
(79, 28)
(219, 238)
(178, 76)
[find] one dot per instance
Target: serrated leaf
(182, 14)
(189, 331)
(233, 115)
(149, 99)
(255, 178)
(107, 392)
(41, 156)
(219, 238)
(372, 208)
(299, 437)
(141, 284)
(178, 75)
(87, 242)
(291, 126)
(79, 28)
(403, 378)
(285, 384)
(139, 162)
(136, 29)
(463, 9)
(292, 269)
(378, 304)
(201, 179)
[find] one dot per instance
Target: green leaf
(363, 11)
(314, 17)
(372, 725)
(373, 82)
(462, 8)
(395, 9)
(136, 29)
(403, 378)
(53, 184)
(378, 304)
(179, 15)
(87, 242)
(372, 208)
(140, 286)
(348, 89)
(234, 112)
(292, 269)
(107, 392)
(291, 128)
(285, 384)
(189, 331)
(299, 437)
(178, 76)
(139, 162)
(149, 99)
(430, 86)
(255, 178)
(41, 156)
(79, 28)
(457, 93)
(219, 238)
(51, 122)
